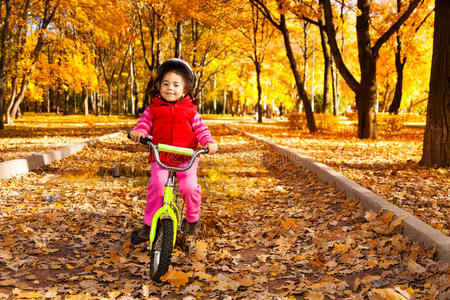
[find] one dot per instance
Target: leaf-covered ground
(387, 166)
(268, 230)
(39, 133)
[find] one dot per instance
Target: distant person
(348, 109)
(172, 119)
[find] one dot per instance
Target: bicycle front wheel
(161, 250)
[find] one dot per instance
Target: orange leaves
(26, 295)
(176, 278)
(384, 224)
(342, 248)
(388, 166)
(389, 294)
(224, 283)
(280, 233)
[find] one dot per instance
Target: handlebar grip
(142, 140)
(206, 150)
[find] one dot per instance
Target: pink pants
(189, 189)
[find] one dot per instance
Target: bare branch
(266, 12)
(331, 33)
(385, 37)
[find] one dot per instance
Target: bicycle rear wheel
(161, 250)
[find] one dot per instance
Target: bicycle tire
(161, 250)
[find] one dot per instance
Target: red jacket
(172, 125)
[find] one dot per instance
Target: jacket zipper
(171, 124)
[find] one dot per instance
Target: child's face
(172, 87)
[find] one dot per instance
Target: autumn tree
(257, 34)
(148, 18)
(436, 142)
(29, 45)
(368, 53)
(405, 47)
(280, 23)
(308, 13)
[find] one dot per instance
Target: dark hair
(179, 67)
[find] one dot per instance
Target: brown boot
(140, 235)
(192, 228)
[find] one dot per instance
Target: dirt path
(268, 230)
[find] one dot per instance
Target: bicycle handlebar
(171, 149)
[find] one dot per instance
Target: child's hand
(136, 135)
(212, 147)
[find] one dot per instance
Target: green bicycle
(167, 220)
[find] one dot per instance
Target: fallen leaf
(114, 294)
(388, 294)
(177, 278)
(224, 283)
(8, 282)
(314, 296)
(5, 255)
(113, 257)
(415, 268)
(246, 280)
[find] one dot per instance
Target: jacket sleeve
(201, 131)
(145, 123)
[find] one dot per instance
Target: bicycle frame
(169, 209)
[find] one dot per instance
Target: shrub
(327, 122)
(297, 121)
(352, 116)
(323, 121)
(391, 123)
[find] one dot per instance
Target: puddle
(137, 177)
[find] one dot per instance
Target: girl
(172, 119)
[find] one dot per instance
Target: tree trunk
(75, 109)
(366, 94)
(335, 88)
(178, 40)
(66, 102)
(313, 84)
(311, 123)
(86, 102)
(49, 102)
(126, 98)
(109, 98)
(386, 98)
(118, 96)
(305, 63)
(436, 141)
(10, 120)
(102, 103)
(231, 103)
(136, 99)
(58, 102)
(96, 104)
(399, 66)
(132, 87)
(224, 102)
(326, 71)
(258, 81)
(16, 101)
(3, 73)
(148, 93)
(3, 87)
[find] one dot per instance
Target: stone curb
(19, 166)
(414, 228)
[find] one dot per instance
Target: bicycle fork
(169, 210)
